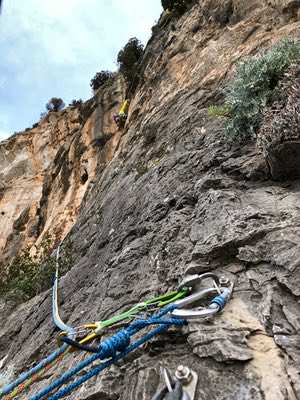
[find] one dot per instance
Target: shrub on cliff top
(100, 79)
(179, 6)
(128, 60)
(55, 104)
(76, 103)
(255, 86)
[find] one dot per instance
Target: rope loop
(112, 349)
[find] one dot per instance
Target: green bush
(128, 60)
(100, 79)
(55, 104)
(255, 86)
(27, 275)
(179, 6)
(218, 111)
(76, 103)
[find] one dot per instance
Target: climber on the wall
(121, 117)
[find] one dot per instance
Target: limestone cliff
(46, 171)
(173, 197)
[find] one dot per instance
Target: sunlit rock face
(168, 196)
(46, 170)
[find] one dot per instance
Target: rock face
(45, 172)
(176, 198)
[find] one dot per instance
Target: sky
(52, 48)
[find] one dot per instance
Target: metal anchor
(183, 383)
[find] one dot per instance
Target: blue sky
(54, 47)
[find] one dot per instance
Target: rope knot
(118, 342)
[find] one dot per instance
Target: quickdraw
(55, 313)
(92, 330)
(173, 306)
(119, 345)
(223, 288)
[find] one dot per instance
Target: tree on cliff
(128, 60)
(76, 103)
(100, 79)
(175, 5)
(55, 104)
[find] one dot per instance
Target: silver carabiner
(192, 280)
(215, 306)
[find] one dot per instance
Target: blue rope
(115, 348)
(95, 371)
(28, 374)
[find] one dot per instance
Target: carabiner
(216, 304)
(191, 281)
(96, 328)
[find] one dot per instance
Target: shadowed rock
(279, 135)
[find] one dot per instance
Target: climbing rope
(30, 377)
(36, 372)
(95, 371)
(29, 374)
(120, 342)
(118, 346)
(35, 378)
(144, 306)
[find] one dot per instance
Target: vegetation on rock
(55, 104)
(179, 6)
(76, 103)
(128, 60)
(100, 79)
(254, 87)
(281, 121)
(219, 111)
(28, 274)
